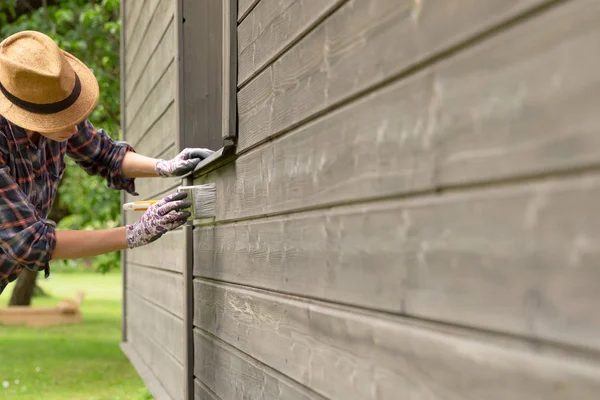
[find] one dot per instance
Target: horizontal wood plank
(361, 45)
(162, 17)
(142, 28)
(346, 355)
(231, 374)
(519, 260)
(160, 136)
(148, 376)
(156, 67)
(244, 7)
(459, 122)
(272, 27)
(162, 288)
(156, 103)
(167, 370)
(201, 392)
(132, 13)
(166, 253)
(161, 326)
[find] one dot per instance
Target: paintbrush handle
(141, 205)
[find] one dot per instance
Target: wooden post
(123, 63)
(188, 308)
(229, 68)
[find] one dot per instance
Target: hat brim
(76, 113)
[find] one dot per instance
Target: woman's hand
(183, 163)
(160, 218)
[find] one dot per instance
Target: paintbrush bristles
(203, 199)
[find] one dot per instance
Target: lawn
(71, 362)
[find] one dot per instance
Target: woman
(46, 96)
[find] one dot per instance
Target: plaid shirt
(29, 178)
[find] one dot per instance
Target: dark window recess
(205, 62)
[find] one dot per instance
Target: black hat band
(48, 108)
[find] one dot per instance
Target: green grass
(70, 362)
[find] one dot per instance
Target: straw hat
(43, 88)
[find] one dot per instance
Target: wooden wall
(153, 324)
(412, 210)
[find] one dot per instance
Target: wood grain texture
(164, 289)
(166, 253)
(273, 26)
(458, 122)
(157, 27)
(164, 367)
(161, 326)
(150, 380)
(244, 7)
(347, 355)
(361, 45)
(154, 106)
(519, 260)
(160, 136)
(143, 25)
(201, 392)
(531, 110)
(231, 374)
(132, 14)
(156, 67)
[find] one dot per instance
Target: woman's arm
(81, 244)
(135, 165)
(98, 154)
(160, 218)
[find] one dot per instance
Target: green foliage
(8, 10)
(90, 30)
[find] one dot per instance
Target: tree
(90, 30)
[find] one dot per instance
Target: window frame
(207, 77)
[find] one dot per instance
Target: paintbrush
(202, 197)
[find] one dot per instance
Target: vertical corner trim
(188, 307)
(229, 70)
(122, 67)
(180, 78)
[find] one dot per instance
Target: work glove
(158, 219)
(183, 163)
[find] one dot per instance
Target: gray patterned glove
(183, 163)
(158, 219)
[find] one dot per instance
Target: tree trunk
(26, 284)
(24, 288)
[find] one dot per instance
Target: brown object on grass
(65, 312)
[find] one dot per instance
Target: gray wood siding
(164, 327)
(503, 258)
(361, 45)
(160, 254)
(411, 208)
(411, 211)
(449, 120)
(164, 289)
(231, 374)
(201, 392)
(272, 27)
(162, 365)
(154, 281)
(343, 354)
